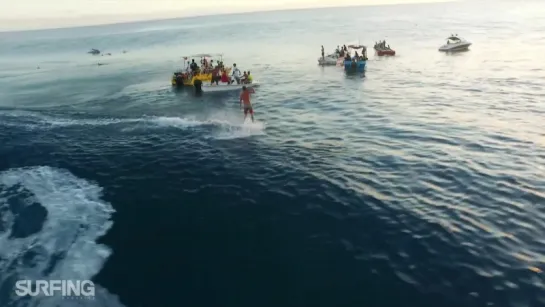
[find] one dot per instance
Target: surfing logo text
(81, 289)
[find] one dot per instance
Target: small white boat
(455, 44)
(328, 60)
(224, 87)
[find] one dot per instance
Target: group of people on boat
(341, 51)
(206, 66)
(381, 45)
(218, 71)
(220, 75)
(354, 61)
(356, 57)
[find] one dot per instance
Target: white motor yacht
(454, 44)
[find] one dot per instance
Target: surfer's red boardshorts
(248, 110)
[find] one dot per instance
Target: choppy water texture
(421, 184)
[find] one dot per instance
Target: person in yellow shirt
(249, 78)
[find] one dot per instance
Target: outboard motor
(179, 80)
(198, 87)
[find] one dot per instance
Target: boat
(455, 44)
(185, 77)
(226, 87)
(354, 61)
(331, 59)
(94, 51)
(382, 49)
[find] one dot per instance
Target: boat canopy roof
(454, 38)
(204, 55)
(357, 47)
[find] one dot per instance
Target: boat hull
(327, 61)
(455, 47)
(180, 80)
(224, 87)
(349, 66)
(388, 52)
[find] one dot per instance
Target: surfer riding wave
(245, 99)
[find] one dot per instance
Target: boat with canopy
(355, 59)
(201, 70)
(454, 44)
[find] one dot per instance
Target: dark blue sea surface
(421, 183)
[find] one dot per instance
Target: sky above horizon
(35, 14)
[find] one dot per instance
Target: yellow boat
(186, 77)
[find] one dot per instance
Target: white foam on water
(231, 126)
(158, 122)
(76, 218)
(177, 122)
(33, 121)
(39, 121)
(243, 130)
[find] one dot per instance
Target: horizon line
(158, 19)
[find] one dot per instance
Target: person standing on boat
(250, 79)
(215, 75)
(236, 74)
(244, 78)
(245, 99)
(323, 55)
(194, 65)
(224, 77)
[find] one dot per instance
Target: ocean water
(421, 183)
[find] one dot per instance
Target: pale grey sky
(29, 14)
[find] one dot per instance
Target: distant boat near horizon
(94, 52)
(455, 44)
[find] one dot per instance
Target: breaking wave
(49, 223)
(218, 126)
